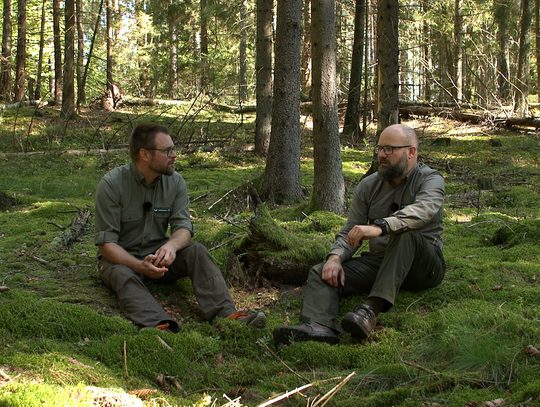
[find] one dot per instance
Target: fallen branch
(74, 232)
(285, 395)
(332, 392)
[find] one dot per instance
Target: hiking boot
(256, 320)
(360, 322)
(305, 332)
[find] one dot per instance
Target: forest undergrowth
(472, 341)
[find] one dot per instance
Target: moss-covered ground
(64, 341)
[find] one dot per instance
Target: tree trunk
(81, 93)
(203, 52)
(5, 75)
(522, 79)
(502, 16)
(108, 99)
(263, 119)
(91, 50)
(37, 94)
(68, 86)
(282, 174)
(242, 90)
(352, 115)
(328, 183)
(537, 35)
(306, 50)
(173, 27)
(458, 50)
(427, 55)
(388, 57)
(388, 69)
(21, 52)
(57, 53)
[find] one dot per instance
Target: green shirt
(137, 216)
(416, 203)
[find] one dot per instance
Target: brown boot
(361, 322)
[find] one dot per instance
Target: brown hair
(144, 136)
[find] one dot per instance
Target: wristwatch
(383, 225)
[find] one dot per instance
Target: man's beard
(393, 171)
(163, 170)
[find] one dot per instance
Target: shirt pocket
(131, 221)
(378, 212)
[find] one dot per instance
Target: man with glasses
(135, 206)
(399, 211)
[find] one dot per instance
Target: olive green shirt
(416, 203)
(137, 216)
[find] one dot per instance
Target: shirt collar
(139, 177)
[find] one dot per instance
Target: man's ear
(144, 155)
(411, 152)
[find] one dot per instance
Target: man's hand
(165, 255)
(362, 232)
(149, 269)
(333, 273)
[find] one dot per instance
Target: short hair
(410, 136)
(144, 136)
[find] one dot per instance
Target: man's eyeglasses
(169, 151)
(389, 150)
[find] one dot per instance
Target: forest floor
(472, 341)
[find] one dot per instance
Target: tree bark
(282, 174)
(263, 119)
(352, 115)
(522, 79)
(37, 94)
(203, 52)
(502, 15)
(5, 75)
(57, 53)
(242, 88)
(306, 50)
(458, 50)
(328, 183)
(81, 93)
(537, 35)
(68, 85)
(21, 52)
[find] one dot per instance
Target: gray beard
(394, 171)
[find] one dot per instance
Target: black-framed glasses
(389, 150)
(169, 151)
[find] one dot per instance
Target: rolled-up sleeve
(108, 213)
(428, 202)
(180, 217)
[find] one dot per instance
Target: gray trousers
(410, 263)
(193, 261)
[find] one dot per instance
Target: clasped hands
(155, 265)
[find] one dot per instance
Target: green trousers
(193, 261)
(409, 263)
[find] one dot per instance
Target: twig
(412, 303)
(222, 244)
(4, 288)
(4, 376)
(232, 223)
(511, 367)
(285, 395)
(38, 259)
(282, 362)
(220, 199)
(164, 343)
(423, 369)
(332, 392)
(125, 360)
(57, 225)
(203, 391)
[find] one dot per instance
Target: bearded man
(399, 210)
(137, 205)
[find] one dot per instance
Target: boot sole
(287, 335)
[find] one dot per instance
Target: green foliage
(462, 342)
